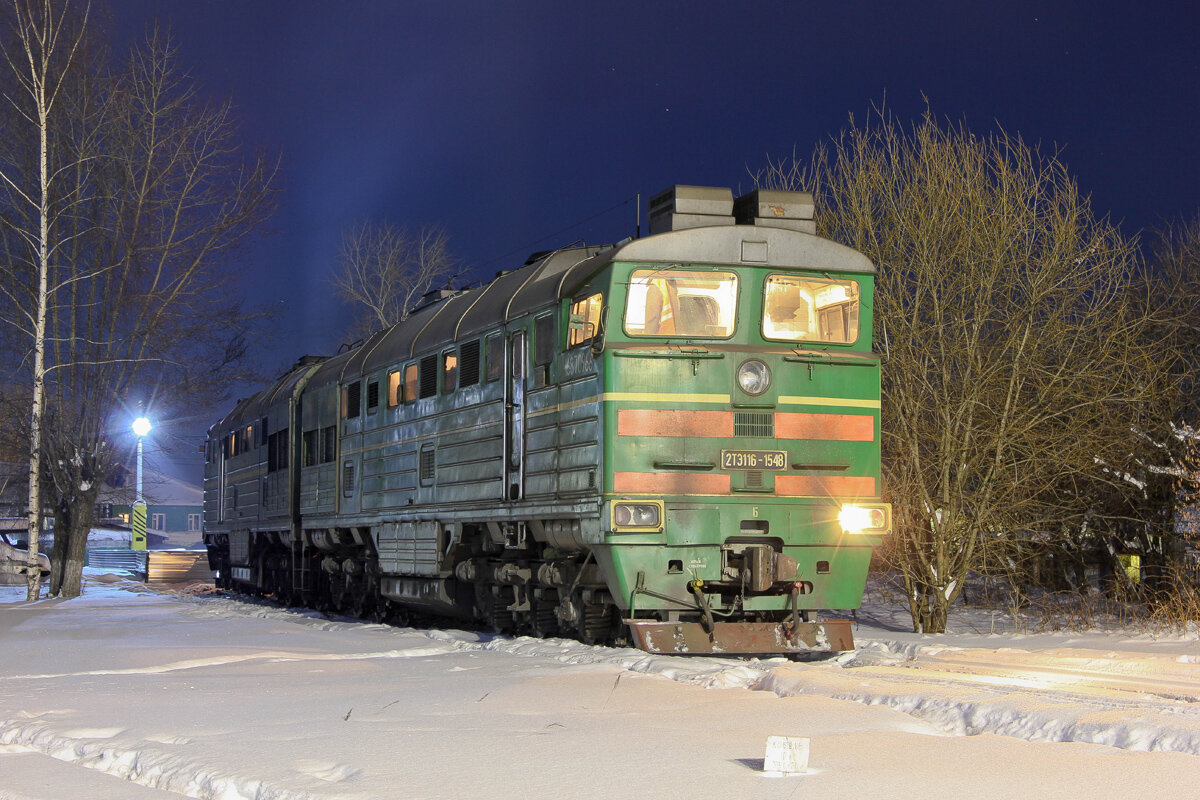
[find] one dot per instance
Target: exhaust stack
(772, 208)
(681, 207)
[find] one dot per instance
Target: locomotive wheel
(597, 623)
(500, 619)
(358, 607)
(342, 595)
(492, 603)
(596, 630)
(543, 621)
(323, 601)
(364, 605)
(381, 611)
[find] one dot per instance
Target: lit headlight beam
(863, 519)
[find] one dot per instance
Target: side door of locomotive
(220, 447)
(514, 416)
(351, 439)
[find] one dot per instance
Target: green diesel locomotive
(672, 441)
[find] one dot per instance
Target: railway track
(1082, 672)
(1130, 700)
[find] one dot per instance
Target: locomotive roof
(510, 295)
(746, 245)
(555, 276)
(560, 273)
(256, 406)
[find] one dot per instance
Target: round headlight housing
(754, 377)
(637, 515)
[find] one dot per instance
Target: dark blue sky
(508, 121)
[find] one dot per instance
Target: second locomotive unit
(674, 441)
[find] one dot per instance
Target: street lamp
(141, 427)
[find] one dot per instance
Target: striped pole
(139, 525)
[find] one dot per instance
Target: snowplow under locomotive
(675, 439)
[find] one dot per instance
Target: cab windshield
(810, 309)
(675, 302)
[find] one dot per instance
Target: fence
(129, 560)
(156, 566)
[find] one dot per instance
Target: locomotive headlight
(855, 518)
(645, 515)
(754, 377)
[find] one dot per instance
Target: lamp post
(141, 427)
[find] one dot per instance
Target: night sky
(510, 123)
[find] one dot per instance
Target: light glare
(854, 519)
(141, 426)
(863, 519)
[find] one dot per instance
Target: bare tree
(1176, 275)
(1175, 287)
(1016, 363)
(150, 314)
(142, 308)
(40, 54)
(383, 270)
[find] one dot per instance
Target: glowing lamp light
(137, 541)
(857, 519)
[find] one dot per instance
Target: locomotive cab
(743, 407)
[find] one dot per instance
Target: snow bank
(183, 695)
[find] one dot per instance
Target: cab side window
(449, 371)
(411, 373)
(394, 385)
(584, 321)
(351, 400)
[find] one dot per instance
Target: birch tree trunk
(39, 64)
(129, 194)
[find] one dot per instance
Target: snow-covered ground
(132, 693)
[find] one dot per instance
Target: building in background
(173, 509)
(14, 505)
